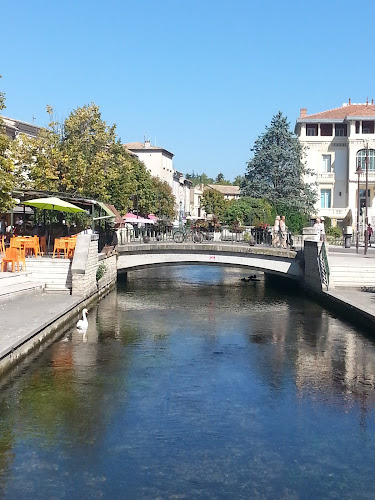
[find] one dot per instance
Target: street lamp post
(358, 172)
(367, 201)
(180, 213)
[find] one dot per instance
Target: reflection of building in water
(339, 361)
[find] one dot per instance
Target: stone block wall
(309, 234)
(110, 274)
(85, 265)
(312, 274)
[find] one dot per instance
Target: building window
(326, 129)
(325, 198)
(311, 129)
(362, 199)
(367, 127)
(340, 131)
(357, 127)
(361, 159)
(326, 163)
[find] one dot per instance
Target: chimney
(303, 113)
(147, 144)
(350, 101)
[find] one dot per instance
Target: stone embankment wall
(85, 265)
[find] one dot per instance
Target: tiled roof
(344, 112)
(228, 190)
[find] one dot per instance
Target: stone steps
(15, 284)
(352, 276)
(55, 274)
(9, 278)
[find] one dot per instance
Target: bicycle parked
(184, 234)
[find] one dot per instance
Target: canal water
(192, 383)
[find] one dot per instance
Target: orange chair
(71, 247)
(11, 255)
(17, 242)
(2, 245)
(31, 245)
(43, 245)
(60, 245)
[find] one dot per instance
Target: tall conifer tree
(277, 170)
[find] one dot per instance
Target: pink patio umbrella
(129, 215)
(137, 220)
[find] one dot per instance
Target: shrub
(100, 271)
(335, 232)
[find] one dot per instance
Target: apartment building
(159, 162)
(337, 142)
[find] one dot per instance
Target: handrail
(323, 266)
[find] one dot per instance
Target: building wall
(158, 164)
(342, 180)
(15, 127)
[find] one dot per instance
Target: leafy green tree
(7, 179)
(92, 151)
(238, 180)
(39, 161)
(163, 201)
(123, 183)
(220, 179)
(248, 211)
(214, 202)
(276, 172)
(83, 156)
(199, 179)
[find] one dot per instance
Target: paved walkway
(28, 314)
(358, 299)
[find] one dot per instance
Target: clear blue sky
(200, 78)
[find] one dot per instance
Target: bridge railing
(249, 235)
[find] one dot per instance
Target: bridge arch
(269, 260)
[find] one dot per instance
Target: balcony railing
(326, 176)
(334, 212)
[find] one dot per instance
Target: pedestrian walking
(322, 229)
(369, 233)
(318, 228)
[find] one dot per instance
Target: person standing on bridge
(283, 231)
(318, 228)
(276, 232)
(322, 229)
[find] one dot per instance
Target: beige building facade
(159, 162)
(15, 127)
(336, 143)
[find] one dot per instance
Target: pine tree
(276, 172)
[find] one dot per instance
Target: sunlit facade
(336, 142)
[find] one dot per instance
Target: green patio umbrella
(53, 203)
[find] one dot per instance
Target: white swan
(82, 324)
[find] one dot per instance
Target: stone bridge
(269, 260)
